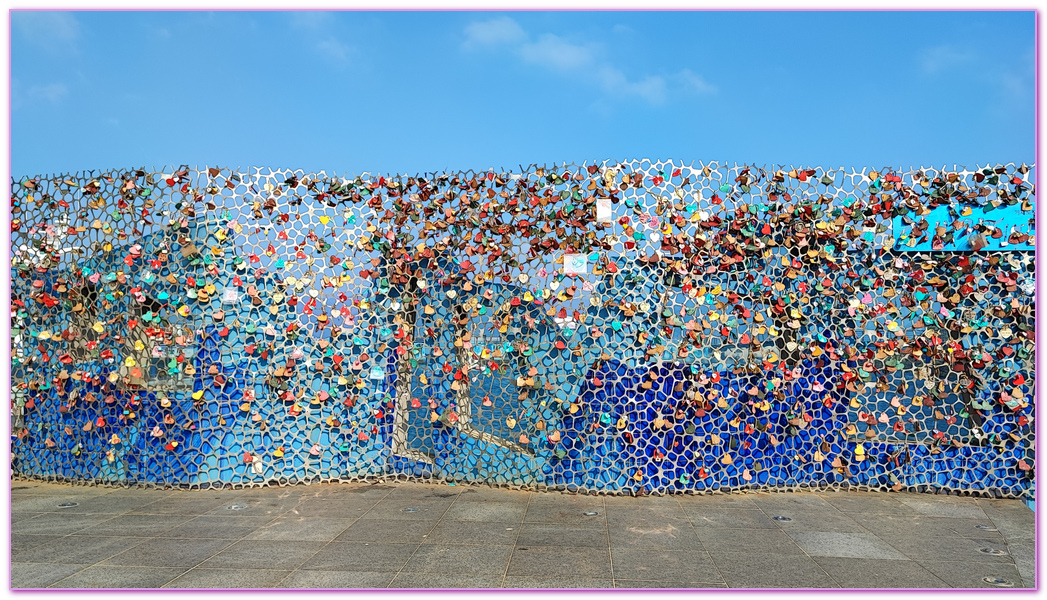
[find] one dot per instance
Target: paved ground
(412, 535)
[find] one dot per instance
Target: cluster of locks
(620, 327)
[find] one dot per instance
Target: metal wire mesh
(620, 327)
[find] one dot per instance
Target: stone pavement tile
(874, 573)
(818, 520)
(228, 578)
(20, 542)
(420, 491)
(571, 501)
(482, 533)
(215, 527)
(409, 510)
(502, 512)
(1013, 519)
(570, 514)
(866, 503)
(555, 562)
(943, 506)
(644, 564)
(1024, 555)
(302, 529)
(965, 575)
(110, 576)
(729, 518)
(442, 581)
(40, 575)
(845, 545)
(634, 584)
(333, 507)
(136, 525)
(263, 554)
(747, 541)
(449, 559)
(770, 571)
(550, 534)
(24, 516)
(58, 523)
(718, 501)
(50, 503)
(526, 581)
(77, 550)
(254, 506)
(947, 549)
(488, 494)
(337, 579)
(650, 516)
(118, 502)
(949, 526)
(357, 556)
(159, 552)
(387, 531)
(670, 502)
(190, 504)
(772, 502)
(664, 534)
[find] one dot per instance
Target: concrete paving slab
(26, 575)
(518, 581)
(747, 541)
(964, 575)
(560, 562)
(644, 564)
(633, 584)
(441, 581)
(337, 579)
(77, 550)
(366, 556)
(303, 529)
(742, 501)
(945, 506)
(949, 549)
(486, 494)
(391, 531)
(110, 576)
(159, 552)
(501, 512)
(263, 554)
(571, 514)
(215, 527)
(770, 571)
(58, 523)
(550, 534)
(136, 525)
(874, 573)
(228, 578)
(845, 545)
(473, 533)
(663, 534)
(728, 518)
(450, 559)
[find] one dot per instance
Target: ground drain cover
(781, 518)
(411, 509)
(998, 581)
(236, 507)
(590, 513)
(992, 551)
(68, 504)
(985, 527)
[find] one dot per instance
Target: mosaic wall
(630, 327)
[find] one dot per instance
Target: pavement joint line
(512, 550)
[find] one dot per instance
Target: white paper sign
(603, 210)
(575, 264)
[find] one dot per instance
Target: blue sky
(407, 92)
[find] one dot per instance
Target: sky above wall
(410, 92)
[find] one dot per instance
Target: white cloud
(54, 31)
(333, 48)
(944, 57)
(502, 30)
(621, 29)
(613, 81)
(52, 92)
(551, 50)
(695, 83)
(582, 61)
(310, 20)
